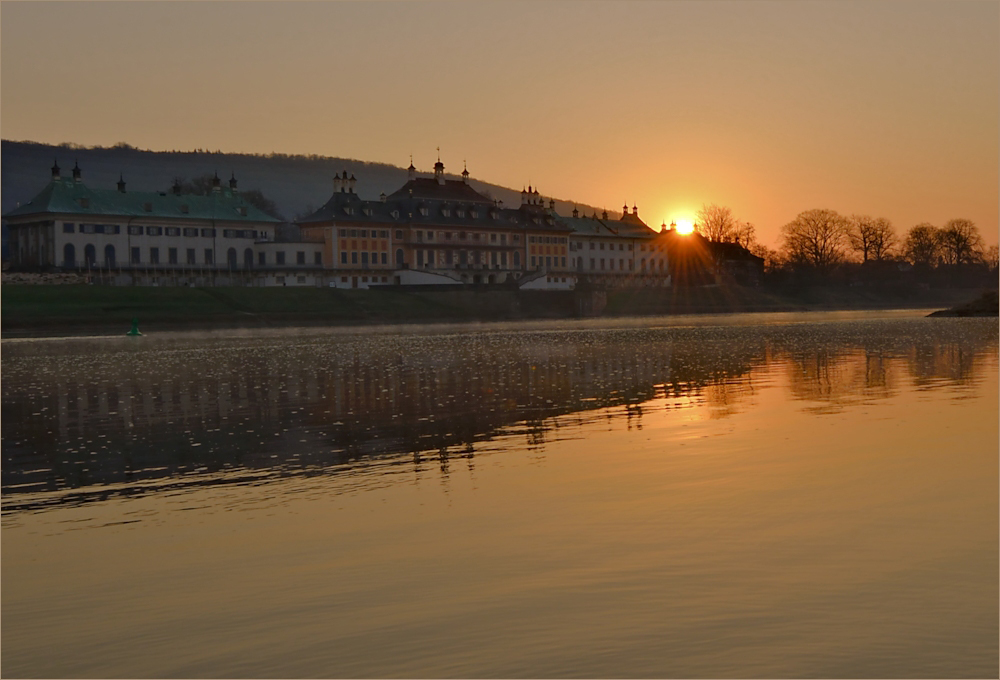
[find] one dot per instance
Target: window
(354, 258)
(430, 236)
(399, 235)
(231, 260)
(301, 279)
(374, 258)
(190, 231)
(154, 256)
(462, 235)
(300, 257)
(343, 257)
(385, 258)
(317, 258)
(68, 228)
(420, 257)
(172, 255)
(279, 257)
(261, 259)
(591, 245)
(190, 256)
(109, 256)
(173, 231)
(564, 262)
(364, 233)
(532, 260)
(209, 256)
(364, 259)
(602, 245)
(279, 279)
(517, 259)
(592, 261)
(208, 233)
(493, 238)
(154, 231)
(342, 232)
(503, 259)
(135, 231)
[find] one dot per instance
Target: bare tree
(716, 223)
(745, 235)
(816, 238)
(923, 245)
(960, 242)
(872, 237)
(991, 256)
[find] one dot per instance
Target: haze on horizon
(770, 108)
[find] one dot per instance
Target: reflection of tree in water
(78, 415)
(841, 365)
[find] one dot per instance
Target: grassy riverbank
(30, 310)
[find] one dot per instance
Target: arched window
(90, 255)
(399, 257)
(517, 258)
(69, 255)
(248, 258)
(231, 258)
(109, 256)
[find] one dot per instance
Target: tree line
(823, 240)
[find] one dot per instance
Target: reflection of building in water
(137, 415)
(72, 417)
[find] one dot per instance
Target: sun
(684, 226)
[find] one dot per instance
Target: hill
(297, 184)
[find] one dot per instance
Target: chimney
(232, 182)
(216, 183)
(336, 183)
(604, 215)
(76, 172)
(352, 182)
(343, 183)
(55, 170)
(121, 183)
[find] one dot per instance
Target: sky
(770, 108)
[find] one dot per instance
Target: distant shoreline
(80, 310)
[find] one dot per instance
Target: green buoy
(135, 328)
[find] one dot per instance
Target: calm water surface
(761, 495)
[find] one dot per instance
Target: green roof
(68, 196)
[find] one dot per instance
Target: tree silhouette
(960, 242)
(816, 238)
(923, 245)
(872, 237)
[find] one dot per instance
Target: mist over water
(758, 495)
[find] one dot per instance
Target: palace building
(431, 231)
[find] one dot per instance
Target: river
(760, 495)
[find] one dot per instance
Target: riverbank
(29, 311)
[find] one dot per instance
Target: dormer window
(185, 209)
(84, 202)
(367, 211)
(474, 214)
(348, 210)
(148, 207)
(494, 214)
(460, 213)
(424, 212)
(446, 212)
(242, 210)
(395, 214)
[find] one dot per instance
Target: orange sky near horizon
(770, 108)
